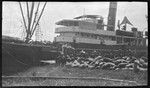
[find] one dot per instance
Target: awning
(126, 21)
(89, 16)
(68, 22)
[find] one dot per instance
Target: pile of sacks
(95, 60)
(101, 62)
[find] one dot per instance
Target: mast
(38, 19)
(29, 22)
(30, 29)
(38, 33)
(35, 17)
(23, 16)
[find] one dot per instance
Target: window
(61, 34)
(119, 40)
(86, 35)
(113, 38)
(76, 34)
(110, 38)
(95, 37)
(98, 37)
(81, 34)
(101, 36)
(92, 36)
(140, 42)
(106, 37)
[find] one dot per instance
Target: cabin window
(106, 37)
(86, 35)
(76, 34)
(82, 34)
(101, 36)
(95, 37)
(126, 40)
(98, 37)
(92, 36)
(79, 34)
(140, 42)
(132, 42)
(110, 38)
(61, 34)
(113, 38)
(99, 26)
(119, 40)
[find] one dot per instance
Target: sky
(12, 24)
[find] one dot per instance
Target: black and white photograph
(74, 43)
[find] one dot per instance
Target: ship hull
(19, 57)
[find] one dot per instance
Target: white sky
(55, 11)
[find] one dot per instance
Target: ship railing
(78, 29)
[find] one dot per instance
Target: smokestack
(112, 16)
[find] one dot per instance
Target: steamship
(82, 32)
(87, 32)
(89, 29)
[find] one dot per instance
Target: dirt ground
(60, 71)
